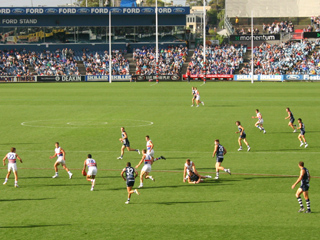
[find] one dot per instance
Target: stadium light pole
(204, 39)
(157, 43)
(252, 76)
(110, 55)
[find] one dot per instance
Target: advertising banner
(61, 78)
(105, 78)
(150, 78)
(274, 78)
(209, 76)
(293, 77)
(311, 34)
(263, 37)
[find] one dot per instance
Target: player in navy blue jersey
(195, 178)
(126, 144)
(131, 174)
(242, 136)
(304, 178)
(291, 117)
(220, 151)
(302, 132)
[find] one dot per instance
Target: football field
(255, 202)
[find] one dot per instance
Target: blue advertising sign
(293, 77)
(94, 11)
(274, 78)
(105, 78)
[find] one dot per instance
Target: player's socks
(301, 143)
(150, 177)
(70, 174)
(137, 150)
(249, 148)
(5, 181)
(16, 184)
(202, 103)
(55, 175)
(217, 175)
(197, 105)
(128, 201)
(300, 202)
(136, 191)
(308, 204)
(240, 148)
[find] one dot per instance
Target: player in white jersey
(12, 165)
(198, 98)
(259, 123)
(188, 166)
(60, 154)
(146, 169)
(92, 170)
(193, 95)
(150, 150)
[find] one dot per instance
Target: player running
(92, 170)
(242, 136)
(150, 150)
(195, 178)
(198, 97)
(60, 154)
(131, 174)
(259, 123)
(302, 132)
(12, 166)
(220, 151)
(193, 95)
(126, 144)
(146, 169)
(290, 115)
(305, 179)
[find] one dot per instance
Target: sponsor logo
(293, 77)
(270, 77)
(147, 10)
(141, 78)
(255, 37)
(116, 10)
(175, 77)
(68, 78)
(179, 10)
(83, 10)
(51, 10)
(311, 77)
(18, 10)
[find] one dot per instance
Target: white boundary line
(153, 84)
(69, 124)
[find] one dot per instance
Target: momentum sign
(265, 37)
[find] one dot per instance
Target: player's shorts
(304, 187)
(292, 120)
(151, 153)
(61, 161)
(243, 136)
(146, 168)
(198, 97)
(92, 171)
(260, 121)
(130, 183)
(13, 167)
(302, 132)
(220, 159)
(126, 143)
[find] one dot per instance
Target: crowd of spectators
(278, 27)
(170, 60)
(13, 63)
(279, 59)
(98, 63)
(315, 23)
(223, 59)
(59, 62)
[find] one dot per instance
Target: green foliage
(153, 3)
(91, 3)
(212, 16)
(255, 202)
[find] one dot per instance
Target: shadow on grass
(174, 203)
(25, 199)
(35, 226)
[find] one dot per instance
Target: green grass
(255, 202)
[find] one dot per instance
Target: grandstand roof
(272, 8)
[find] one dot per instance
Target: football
(84, 173)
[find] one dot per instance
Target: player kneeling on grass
(131, 174)
(92, 170)
(12, 165)
(146, 169)
(195, 178)
(60, 154)
(188, 166)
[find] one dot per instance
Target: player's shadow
(34, 177)
(25, 199)
(19, 143)
(35, 226)
(187, 202)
